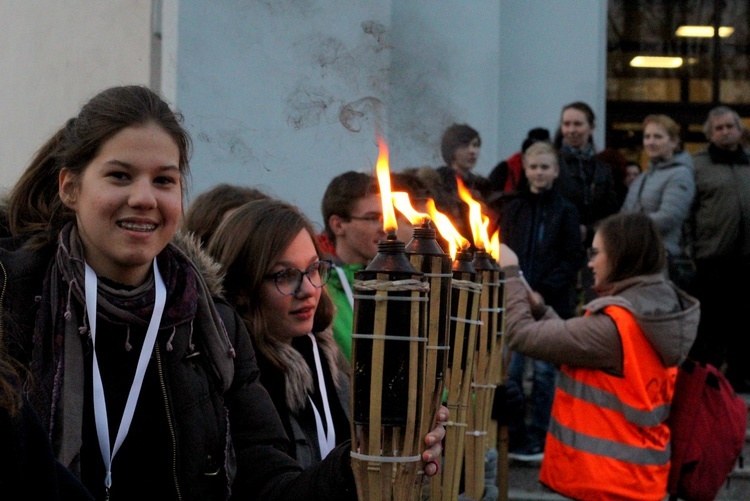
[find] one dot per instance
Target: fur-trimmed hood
(189, 244)
(298, 376)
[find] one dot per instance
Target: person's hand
(434, 441)
(507, 256)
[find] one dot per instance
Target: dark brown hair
(343, 193)
(206, 212)
(34, 204)
(455, 136)
(633, 245)
(247, 245)
(583, 108)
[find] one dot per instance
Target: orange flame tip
(384, 180)
(455, 241)
(479, 222)
(495, 246)
(403, 205)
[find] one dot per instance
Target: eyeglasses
(289, 280)
(374, 219)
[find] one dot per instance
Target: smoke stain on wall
(422, 110)
(306, 106)
(378, 31)
(366, 110)
(224, 139)
(345, 84)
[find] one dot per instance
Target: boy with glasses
(353, 218)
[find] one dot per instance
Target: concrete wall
(282, 95)
(552, 52)
(56, 55)
(445, 70)
(286, 94)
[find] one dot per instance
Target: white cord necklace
(345, 284)
(326, 439)
(100, 408)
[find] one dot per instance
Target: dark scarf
(727, 157)
(586, 152)
(59, 327)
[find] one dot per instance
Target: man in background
(720, 221)
(459, 146)
(353, 218)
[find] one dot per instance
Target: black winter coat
(543, 230)
(28, 470)
(240, 422)
(300, 426)
(588, 182)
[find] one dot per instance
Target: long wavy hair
(10, 393)
(247, 245)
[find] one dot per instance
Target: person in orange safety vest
(618, 364)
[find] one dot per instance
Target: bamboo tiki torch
(388, 353)
(477, 443)
(462, 341)
(426, 255)
(483, 387)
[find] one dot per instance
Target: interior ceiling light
(703, 31)
(655, 62)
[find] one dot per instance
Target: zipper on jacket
(170, 424)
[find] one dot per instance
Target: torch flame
(447, 230)
(494, 248)
(479, 222)
(403, 204)
(384, 180)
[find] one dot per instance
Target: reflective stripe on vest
(608, 400)
(609, 448)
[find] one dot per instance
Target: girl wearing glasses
(144, 378)
(275, 279)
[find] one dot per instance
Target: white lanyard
(100, 408)
(326, 441)
(345, 284)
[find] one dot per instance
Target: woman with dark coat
(585, 179)
(262, 247)
(144, 377)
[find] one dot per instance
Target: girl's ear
(68, 188)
